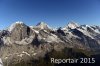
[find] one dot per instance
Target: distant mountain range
(21, 42)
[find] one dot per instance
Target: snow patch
(1, 63)
(34, 53)
(36, 31)
(97, 31)
(26, 53)
(21, 55)
(85, 32)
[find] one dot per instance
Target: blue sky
(53, 12)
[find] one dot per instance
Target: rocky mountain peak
(15, 25)
(20, 31)
(42, 25)
(72, 25)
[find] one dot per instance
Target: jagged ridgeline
(21, 44)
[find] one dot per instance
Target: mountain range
(20, 42)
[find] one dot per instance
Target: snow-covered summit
(72, 25)
(19, 22)
(42, 25)
(14, 25)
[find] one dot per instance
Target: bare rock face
(21, 33)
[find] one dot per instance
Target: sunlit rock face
(20, 31)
